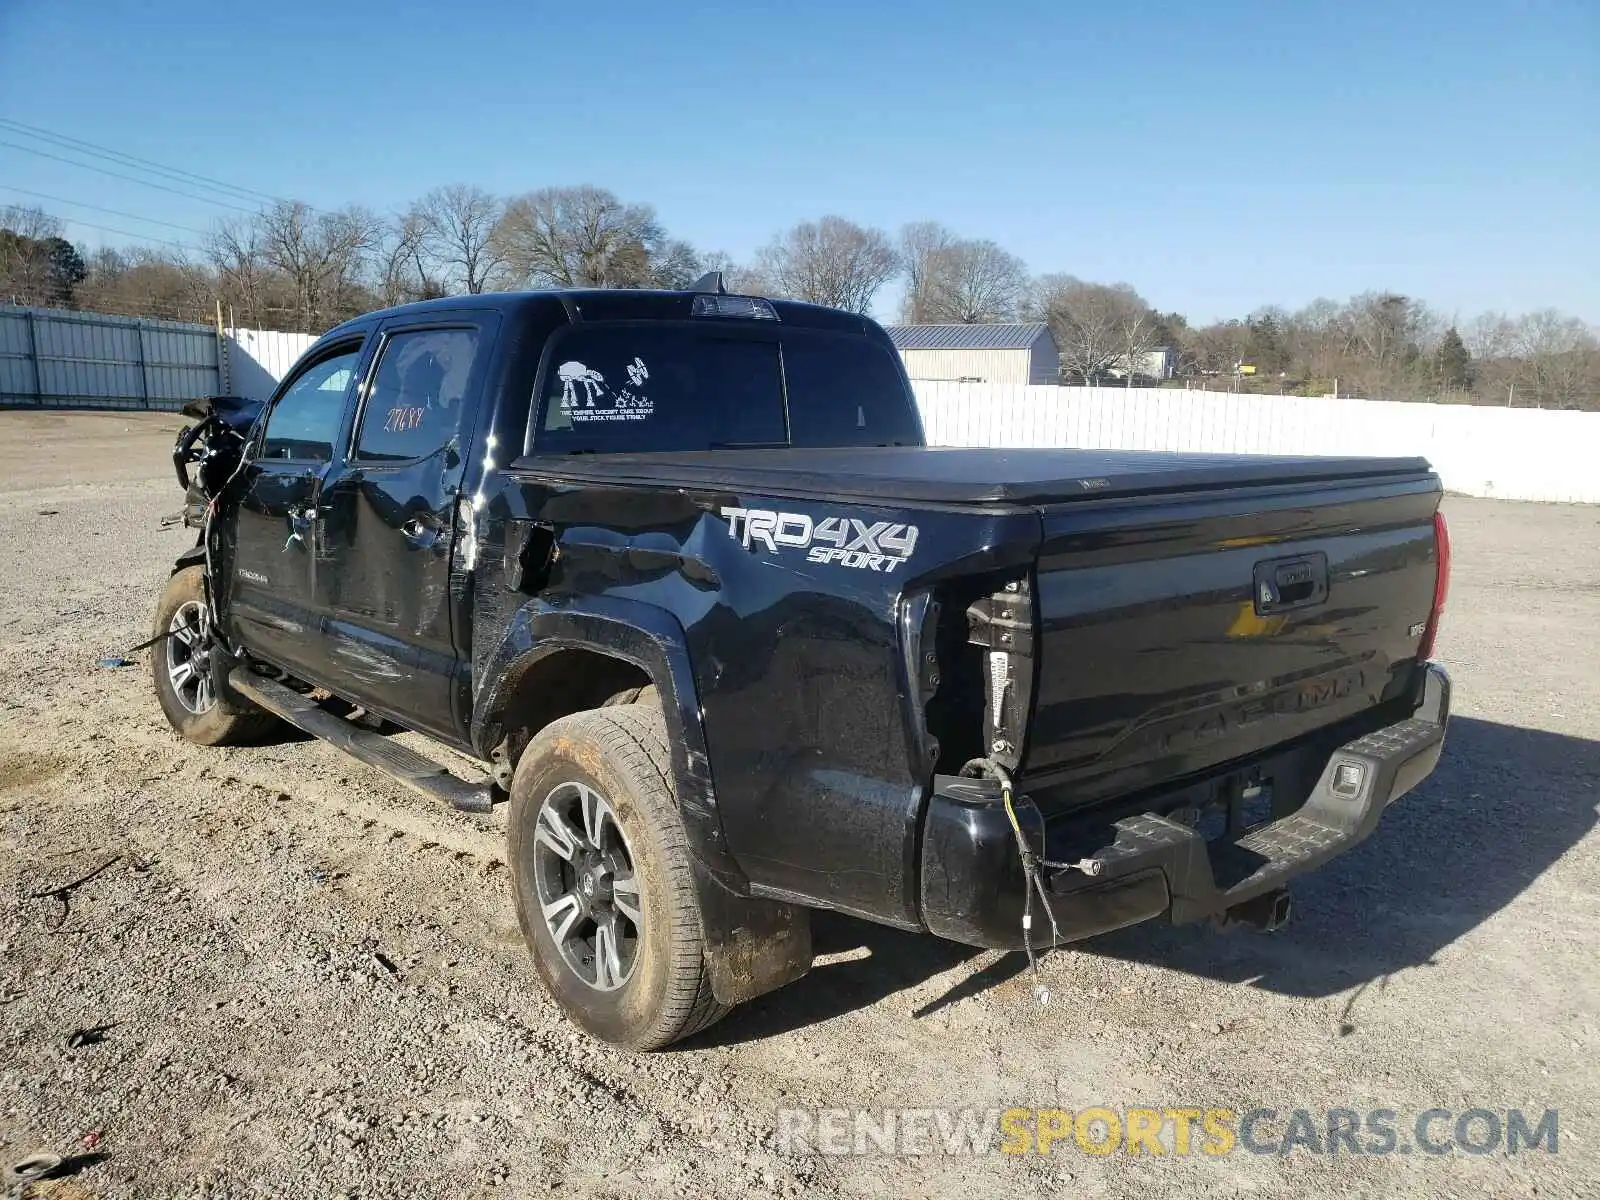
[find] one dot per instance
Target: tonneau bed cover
(960, 475)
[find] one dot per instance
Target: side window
(415, 405)
(305, 420)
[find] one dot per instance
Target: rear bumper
(1151, 865)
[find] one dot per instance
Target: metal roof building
(979, 353)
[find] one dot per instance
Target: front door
(388, 508)
(271, 578)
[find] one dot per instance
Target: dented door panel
(390, 531)
(270, 583)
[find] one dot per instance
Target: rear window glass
(846, 392)
(625, 388)
(622, 388)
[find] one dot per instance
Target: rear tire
(187, 670)
(593, 799)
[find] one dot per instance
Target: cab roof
(613, 304)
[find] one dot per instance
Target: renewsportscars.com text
(1179, 1131)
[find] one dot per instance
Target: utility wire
(121, 158)
(128, 233)
(130, 178)
(115, 212)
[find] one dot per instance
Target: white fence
(1509, 453)
(258, 358)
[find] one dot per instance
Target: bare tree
(27, 234)
(972, 282)
(1385, 326)
(1490, 336)
(586, 237)
(404, 268)
(1560, 361)
(323, 254)
(140, 282)
(1138, 327)
(458, 224)
(675, 264)
(29, 221)
(1318, 342)
(1491, 340)
(1217, 349)
(741, 280)
(1090, 322)
(921, 242)
(243, 276)
(832, 261)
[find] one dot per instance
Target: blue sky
(1217, 155)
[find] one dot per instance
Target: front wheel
(186, 668)
(604, 887)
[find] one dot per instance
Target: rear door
(390, 524)
(272, 584)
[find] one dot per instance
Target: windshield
(659, 386)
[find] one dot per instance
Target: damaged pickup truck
(679, 571)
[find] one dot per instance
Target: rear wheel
(604, 887)
(186, 668)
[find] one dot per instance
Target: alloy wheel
(189, 644)
(587, 888)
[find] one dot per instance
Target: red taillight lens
(1441, 585)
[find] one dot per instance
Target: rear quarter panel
(818, 777)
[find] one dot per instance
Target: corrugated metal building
(979, 353)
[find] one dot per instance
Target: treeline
(294, 267)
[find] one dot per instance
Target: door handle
(300, 522)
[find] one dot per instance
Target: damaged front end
(214, 447)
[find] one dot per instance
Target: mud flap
(752, 946)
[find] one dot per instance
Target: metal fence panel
(56, 359)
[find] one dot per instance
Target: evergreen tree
(1452, 363)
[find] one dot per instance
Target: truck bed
(964, 475)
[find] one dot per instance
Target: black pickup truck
(679, 571)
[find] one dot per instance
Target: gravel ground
(282, 975)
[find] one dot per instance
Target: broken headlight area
(213, 447)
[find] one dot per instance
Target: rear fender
(752, 945)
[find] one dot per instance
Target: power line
(130, 234)
(130, 178)
(121, 158)
(115, 212)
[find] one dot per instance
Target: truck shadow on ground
(1504, 804)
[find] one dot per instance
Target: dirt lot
(299, 980)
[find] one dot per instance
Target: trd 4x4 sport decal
(865, 545)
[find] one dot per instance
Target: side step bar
(414, 770)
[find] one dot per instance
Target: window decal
(582, 386)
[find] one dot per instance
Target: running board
(416, 771)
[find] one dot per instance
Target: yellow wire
(1011, 813)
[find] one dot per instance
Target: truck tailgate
(1178, 636)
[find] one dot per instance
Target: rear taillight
(1441, 585)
